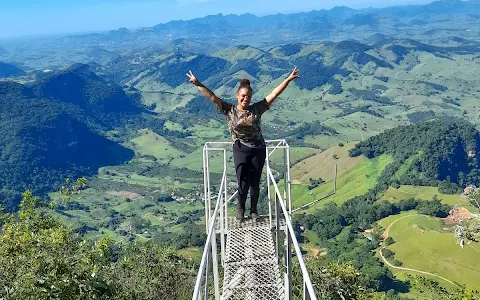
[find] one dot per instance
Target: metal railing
(216, 222)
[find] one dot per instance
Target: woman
(249, 145)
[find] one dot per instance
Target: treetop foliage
(40, 258)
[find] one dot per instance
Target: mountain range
(338, 23)
(440, 23)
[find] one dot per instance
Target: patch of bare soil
(456, 215)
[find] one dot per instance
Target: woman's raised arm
(279, 89)
(204, 90)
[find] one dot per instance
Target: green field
(150, 143)
(353, 182)
(323, 141)
(192, 253)
(313, 247)
(422, 193)
(360, 126)
(297, 154)
(102, 206)
(322, 165)
(424, 243)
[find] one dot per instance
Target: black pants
(248, 166)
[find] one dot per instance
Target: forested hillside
(439, 152)
(55, 128)
(435, 153)
(7, 70)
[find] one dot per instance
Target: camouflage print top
(244, 125)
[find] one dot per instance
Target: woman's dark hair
(244, 83)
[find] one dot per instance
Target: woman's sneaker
(254, 216)
(240, 213)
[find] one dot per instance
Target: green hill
(444, 152)
(81, 87)
(426, 244)
(322, 165)
(357, 89)
(55, 128)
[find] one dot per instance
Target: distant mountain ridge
(316, 24)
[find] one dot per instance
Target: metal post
(285, 176)
(277, 226)
(226, 191)
(296, 246)
(210, 237)
(222, 201)
(288, 238)
(288, 265)
(306, 295)
(268, 190)
(205, 190)
(209, 199)
(289, 181)
(207, 268)
(335, 179)
(215, 266)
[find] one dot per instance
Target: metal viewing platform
(255, 257)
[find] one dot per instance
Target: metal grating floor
(251, 269)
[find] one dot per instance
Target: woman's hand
(193, 79)
(293, 75)
(279, 89)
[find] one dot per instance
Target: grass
(150, 143)
(312, 237)
(192, 253)
(323, 141)
(233, 54)
(353, 182)
(423, 243)
(414, 293)
(405, 166)
(388, 220)
(213, 132)
(173, 126)
(296, 154)
(360, 126)
(423, 193)
(193, 161)
(164, 183)
(313, 246)
(322, 165)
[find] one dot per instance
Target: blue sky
(33, 17)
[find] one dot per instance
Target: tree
(40, 258)
(388, 253)
(473, 196)
(434, 208)
(434, 290)
(151, 271)
(389, 241)
(331, 280)
(469, 229)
